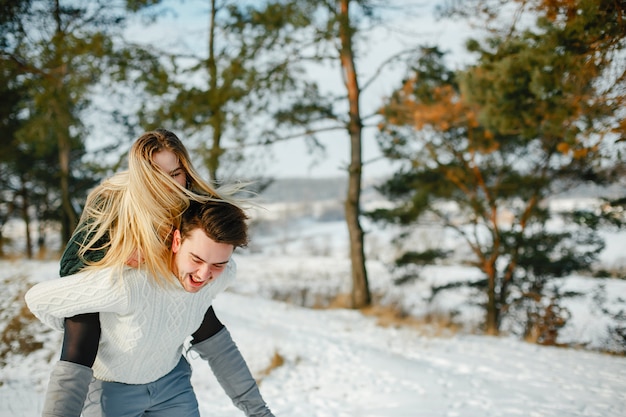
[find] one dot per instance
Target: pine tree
(535, 116)
(57, 53)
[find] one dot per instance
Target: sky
(184, 28)
(342, 363)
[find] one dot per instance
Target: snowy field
(341, 363)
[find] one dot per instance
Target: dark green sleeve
(71, 261)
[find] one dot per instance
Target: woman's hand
(135, 259)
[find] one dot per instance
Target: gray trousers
(169, 396)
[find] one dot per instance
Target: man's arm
(210, 326)
(67, 390)
(70, 378)
(213, 343)
(81, 336)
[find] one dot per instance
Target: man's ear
(176, 241)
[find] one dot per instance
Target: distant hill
(320, 189)
(315, 189)
(591, 190)
(305, 189)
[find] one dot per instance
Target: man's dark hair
(223, 222)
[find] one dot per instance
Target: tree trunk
(360, 288)
(70, 217)
(60, 109)
(217, 119)
(26, 219)
(492, 314)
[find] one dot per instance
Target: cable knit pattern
(144, 325)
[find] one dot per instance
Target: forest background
(476, 143)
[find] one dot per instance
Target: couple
(153, 249)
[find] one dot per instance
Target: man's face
(198, 259)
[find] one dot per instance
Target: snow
(339, 362)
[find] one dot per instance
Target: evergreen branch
(307, 132)
(386, 62)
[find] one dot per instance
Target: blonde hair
(134, 213)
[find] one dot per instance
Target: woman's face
(168, 162)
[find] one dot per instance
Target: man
(145, 320)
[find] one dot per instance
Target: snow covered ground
(341, 363)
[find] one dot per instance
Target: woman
(129, 219)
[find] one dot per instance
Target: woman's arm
(103, 290)
(71, 261)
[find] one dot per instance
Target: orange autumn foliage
(445, 110)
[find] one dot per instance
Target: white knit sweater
(144, 325)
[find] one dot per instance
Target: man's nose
(206, 274)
